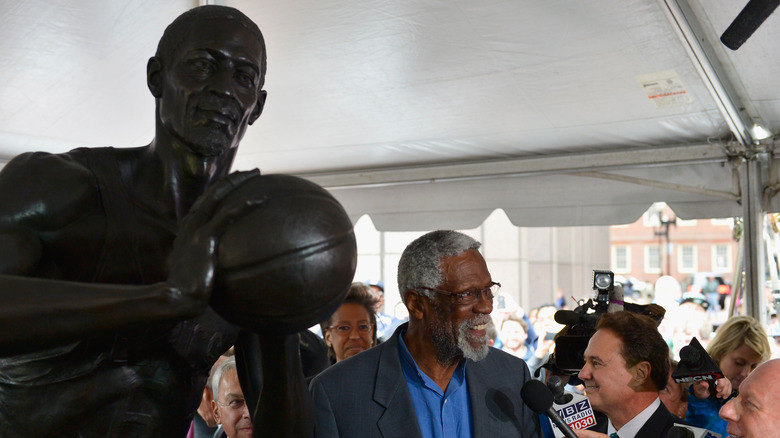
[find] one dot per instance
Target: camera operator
(626, 364)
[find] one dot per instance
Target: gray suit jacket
(367, 396)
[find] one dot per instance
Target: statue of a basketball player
(108, 261)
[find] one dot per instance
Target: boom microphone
(615, 299)
(538, 397)
(752, 16)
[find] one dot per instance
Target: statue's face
(212, 87)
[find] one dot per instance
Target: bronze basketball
(286, 264)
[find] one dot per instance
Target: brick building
(659, 244)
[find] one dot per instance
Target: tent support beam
(711, 72)
(662, 185)
(756, 168)
(551, 164)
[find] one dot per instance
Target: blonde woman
(738, 347)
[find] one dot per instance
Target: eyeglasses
(236, 404)
(469, 296)
(346, 329)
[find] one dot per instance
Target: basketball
(287, 263)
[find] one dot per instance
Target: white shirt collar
(630, 429)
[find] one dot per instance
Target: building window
(721, 258)
(687, 261)
(652, 259)
(621, 259)
(729, 222)
(686, 222)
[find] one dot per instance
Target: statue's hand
(192, 262)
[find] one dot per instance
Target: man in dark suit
(626, 364)
(436, 376)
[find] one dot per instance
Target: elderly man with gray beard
(436, 376)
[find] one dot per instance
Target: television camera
(580, 323)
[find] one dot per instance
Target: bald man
(753, 413)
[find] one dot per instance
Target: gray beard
(451, 344)
(470, 352)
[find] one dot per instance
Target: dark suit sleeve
(324, 419)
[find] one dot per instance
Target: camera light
(603, 280)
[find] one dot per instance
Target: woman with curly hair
(351, 329)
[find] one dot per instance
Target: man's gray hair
(216, 376)
(420, 264)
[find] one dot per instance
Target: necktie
(613, 435)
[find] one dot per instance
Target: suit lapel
(391, 392)
(656, 425)
(483, 421)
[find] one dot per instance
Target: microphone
(567, 317)
(679, 432)
(538, 397)
(685, 431)
(615, 299)
(555, 384)
(748, 21)
(696, 365)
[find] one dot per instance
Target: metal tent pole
(752, 237)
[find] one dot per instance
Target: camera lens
(602, 281)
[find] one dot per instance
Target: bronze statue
(108, 262)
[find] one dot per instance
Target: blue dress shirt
(440, 414)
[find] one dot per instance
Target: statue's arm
(269, 369)
(42, 192)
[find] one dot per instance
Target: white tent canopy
(434, 113)
(431, 114)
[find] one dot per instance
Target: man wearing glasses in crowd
(436, 376)
(229, 406)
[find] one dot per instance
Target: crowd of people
(627, 375)
(456, 367)
(437, 367)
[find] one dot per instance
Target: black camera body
(572, 340)
(580, 323)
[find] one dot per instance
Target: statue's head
(207, 77)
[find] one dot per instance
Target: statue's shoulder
(52, 167)
(48, 189)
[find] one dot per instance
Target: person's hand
(192, 263)
(701, 390)
(723, 388)
(543, 347)
(582, 433)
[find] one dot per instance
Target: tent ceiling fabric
(381, 87)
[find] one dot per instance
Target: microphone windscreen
(751, 17)
(537, 396)
(679, 432)
(567, 317)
